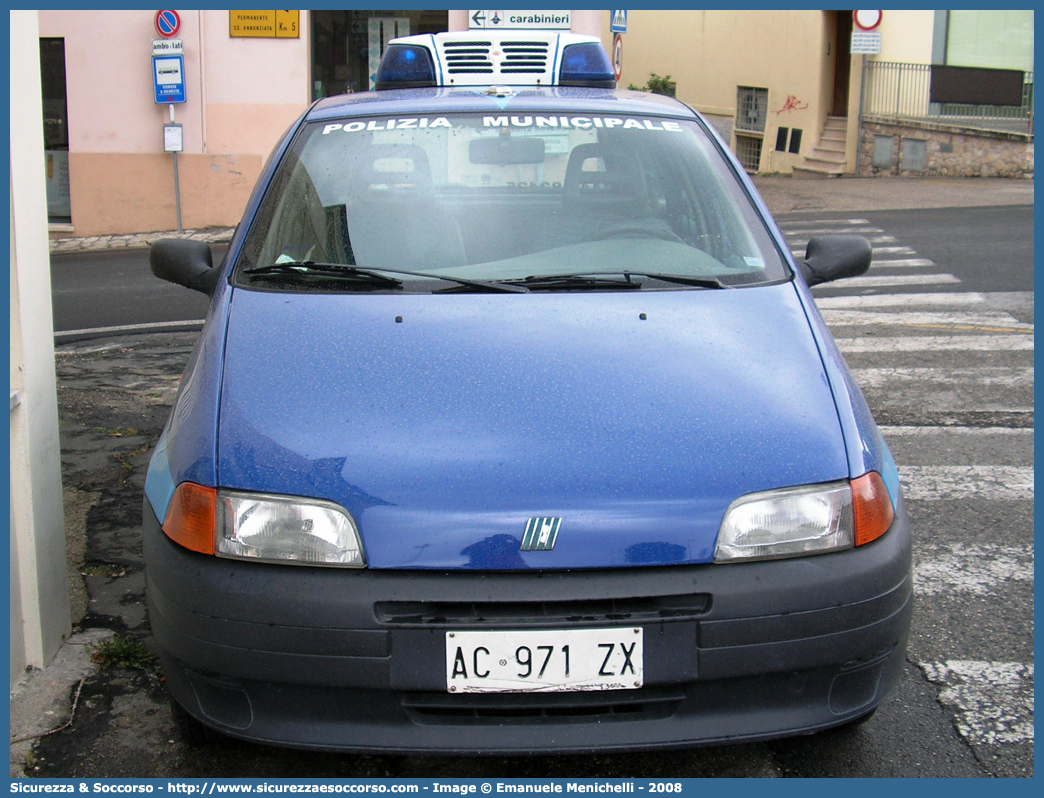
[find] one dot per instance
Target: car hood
(444, 423)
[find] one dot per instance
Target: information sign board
(172, 138)
(519, 20)
(866, 43)
(168, 73)
(167, 47)
(264, 24)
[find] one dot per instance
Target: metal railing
(901, 91)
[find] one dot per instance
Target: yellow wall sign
(265, 24)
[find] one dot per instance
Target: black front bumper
(355, 660)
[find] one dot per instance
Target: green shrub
(657, 84)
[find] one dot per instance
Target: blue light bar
(405, 66)
(586, 64)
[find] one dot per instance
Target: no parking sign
(168, 23)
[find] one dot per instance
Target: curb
(210, 235)
(40, 701)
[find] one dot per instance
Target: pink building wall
(242, 94)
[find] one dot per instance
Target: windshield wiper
(699, 282)
(599, 280)
(580, 281)
(375, 276)
(339, 271)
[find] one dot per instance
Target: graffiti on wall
(792, 104)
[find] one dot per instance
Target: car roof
(556, 99)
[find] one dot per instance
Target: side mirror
(184, 262)
(834, 257)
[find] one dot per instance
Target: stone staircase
(828, 156)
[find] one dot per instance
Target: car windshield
(503, 198)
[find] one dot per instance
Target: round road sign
(168, 23)
(618, 55)
(867, 20)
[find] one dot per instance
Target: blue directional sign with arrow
(518, 20)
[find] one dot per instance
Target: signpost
(866, 40)
(168, 76)
(617, 55)
(618, 22)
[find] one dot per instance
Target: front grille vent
(523, 613)
(650, 703)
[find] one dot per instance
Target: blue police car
(513, 427)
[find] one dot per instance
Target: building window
(751, 110)
(785, 134)
(795, 141)
(748, 150)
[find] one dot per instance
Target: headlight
(263, 527)
(805, 520)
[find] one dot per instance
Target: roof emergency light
(586, 64)
(405, 66)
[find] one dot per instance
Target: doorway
(346, 45)
(842, 61)
(55, 129)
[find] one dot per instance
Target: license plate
(544, 661)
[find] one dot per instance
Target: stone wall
(909, 148)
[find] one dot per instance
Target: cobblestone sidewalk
(212, 235)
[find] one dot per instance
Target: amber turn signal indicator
(871, 507)
(190, 517)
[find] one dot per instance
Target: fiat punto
(514, 427)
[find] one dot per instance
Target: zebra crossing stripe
(879, 281)
(948, 483)
(897, 431)
(897, 262)
(938, 343)
(998, 320)
(802, 242)
(826, 231)
(994, 700)
(996, 376)
(971, 568)
(793, 223)
(901, 300)
(901, 263)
